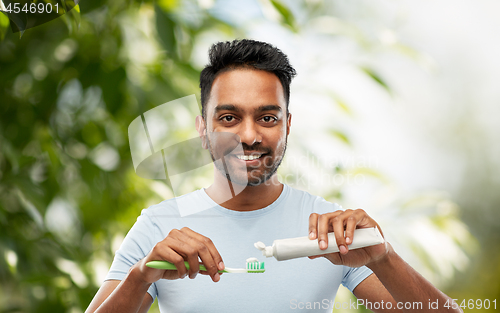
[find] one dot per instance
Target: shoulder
(188, 204)
(157, 220)
(316, 204)
(164, 207)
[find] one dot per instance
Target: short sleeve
(355, 275)
(136, 245)
(321, 206)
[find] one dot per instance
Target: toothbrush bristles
(255, 267)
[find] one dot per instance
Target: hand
(337, 222)
(179, 246)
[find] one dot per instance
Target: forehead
(246, 89)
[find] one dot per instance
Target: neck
(246, 198)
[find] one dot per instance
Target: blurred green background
(70, 88)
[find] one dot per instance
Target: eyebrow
(226, 107)
(232, 107)
(269, 107)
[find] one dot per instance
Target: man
(245, 92)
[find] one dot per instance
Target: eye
(269, 119)
(227, 118)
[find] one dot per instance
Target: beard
(235, 171)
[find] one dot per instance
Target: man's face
(249, 104)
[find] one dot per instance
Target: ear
(202, 131)
(288, 123)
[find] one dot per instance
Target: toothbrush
(253, 266)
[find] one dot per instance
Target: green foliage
(340, 136)
(67, 185)
(377, 78)
(68, 90)
(286, 14)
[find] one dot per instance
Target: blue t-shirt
(281, 288)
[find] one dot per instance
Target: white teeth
(248, 157)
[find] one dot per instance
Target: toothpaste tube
(291, 248)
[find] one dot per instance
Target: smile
(249, 157)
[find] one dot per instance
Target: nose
(249, 133)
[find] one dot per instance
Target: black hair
(245, 53)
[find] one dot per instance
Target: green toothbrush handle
(164, 265)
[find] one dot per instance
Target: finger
(209, 255)
(202, 272)
(207, 274)
(211, 247)
(313, 225)
(166, 253)
(352, 221)
(323, 231)
(366, 221)
(380, 230)
(187, 247)
(338, 224)
(323, 228)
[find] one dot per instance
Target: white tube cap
(266, 251)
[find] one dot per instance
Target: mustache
(226, 149)
(257, 147)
